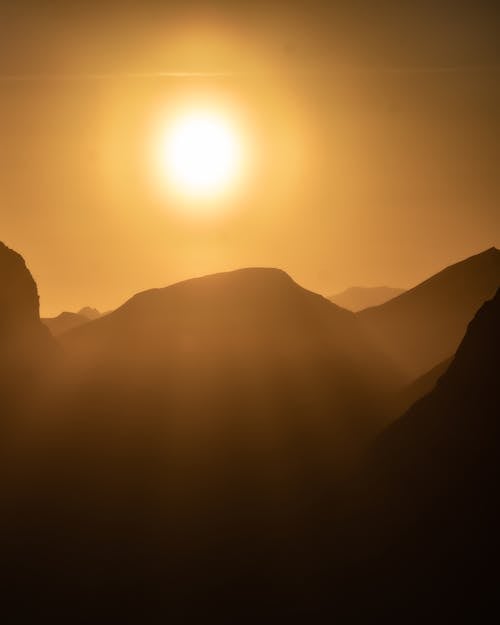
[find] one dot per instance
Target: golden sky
(373, 141)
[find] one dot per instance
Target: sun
(201, 154)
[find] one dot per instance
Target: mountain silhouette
(249, 346)
(89, 313)
(429, 487)
(26, 347)
(424, 326)
(357, 298)
(64, 322)
(68, 320)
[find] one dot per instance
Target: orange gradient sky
(374, 149)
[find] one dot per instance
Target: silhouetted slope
(357, 298)
(430, 486)
(251, 339)
(25, 344)
(423, 326)
(64, 322)
(464, 397)
(418, 388)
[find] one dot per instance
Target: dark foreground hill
(357, 298)
(430, 488)
(424, 326)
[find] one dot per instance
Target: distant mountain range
(357, 298)
(69, 320)
(424, 326)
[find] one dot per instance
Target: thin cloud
(108, 76)
(428, 69)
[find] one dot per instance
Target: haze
(374, 135)
(262, 384)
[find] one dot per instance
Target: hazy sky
(374, 134)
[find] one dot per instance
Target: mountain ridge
(490, 252)
(424, 325)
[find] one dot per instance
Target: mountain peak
(250, 275)
(247, 275)
(244, 319)
(242, 287)
(18, 292)
(491, 250)
(25, 344)
(89, 312)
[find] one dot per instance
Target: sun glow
(200, 155)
